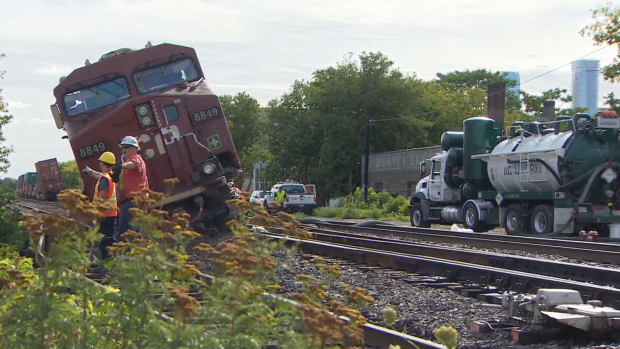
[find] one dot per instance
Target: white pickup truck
(299, 197)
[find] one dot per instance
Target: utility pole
(367, 158)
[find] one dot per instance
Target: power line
(518, 85)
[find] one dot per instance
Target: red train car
(49, 182)
(159, 95)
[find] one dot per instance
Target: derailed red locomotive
(159, 95)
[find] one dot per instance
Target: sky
(262, 46)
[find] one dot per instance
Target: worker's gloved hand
(87, 170)
(116, 173)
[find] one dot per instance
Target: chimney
(496, 103)
(548, 111)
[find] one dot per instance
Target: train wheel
(541, 221)
(514, 221)
(417, 217)
(471, 220)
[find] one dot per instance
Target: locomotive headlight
(143, 110)
(209, 169)
(146, 121)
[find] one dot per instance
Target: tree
(464, 81)
(8, 183)
(534, 103)
(613, 102)
(70, 174)
(606, 30)
(246, 121)
(319, 126)
(5, 118)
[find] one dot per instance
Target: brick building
(398, 171)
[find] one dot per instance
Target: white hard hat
(129, 140)
(231, 184)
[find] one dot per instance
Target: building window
(378, 186)
(411, 187)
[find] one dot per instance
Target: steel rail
(452, 270)
(578, 250)
(571, 271)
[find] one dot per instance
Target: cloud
(17, 104)
(39, 121)
(269, 87)
(55, 70)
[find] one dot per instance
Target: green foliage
(8, 183)
(613, 102)
(447, 336)
(379, 206)
(5, 118)
(246, 121)
(70, 174)
(464, 82)
(606, 31)
(60, 308)
(10, 233)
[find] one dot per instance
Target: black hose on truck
(593, 173)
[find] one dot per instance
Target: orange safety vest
(111, 194)
(238, 191)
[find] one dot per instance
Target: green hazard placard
(214, 142)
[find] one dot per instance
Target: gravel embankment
(420, 310)
(49, 206)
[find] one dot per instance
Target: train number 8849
(92, 150)
(204, 115)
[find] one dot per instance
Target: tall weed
(149, 304)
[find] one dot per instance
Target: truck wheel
(471, 220)
(417, 217)
(541, 221)
(514, 221)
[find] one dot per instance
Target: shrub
(10, 234)
(380, 206)
(61, 308)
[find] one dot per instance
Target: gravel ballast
(420, 310)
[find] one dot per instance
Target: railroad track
(374, 336)
(579, 250)
(474, 268)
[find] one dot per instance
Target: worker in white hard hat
(105, 190)
(132, 179)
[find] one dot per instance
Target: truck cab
(433, 193)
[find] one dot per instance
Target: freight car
(534, 179)
(45, 184)
(159, 95)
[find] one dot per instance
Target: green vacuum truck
(533, 178)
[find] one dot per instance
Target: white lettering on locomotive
(170, 135)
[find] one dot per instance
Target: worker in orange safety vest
(236, 191)
(105, 190)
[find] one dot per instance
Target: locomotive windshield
(165, 75)
(95, 97)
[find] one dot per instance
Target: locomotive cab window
(165, 75)
(171, 113)
(95, 97)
